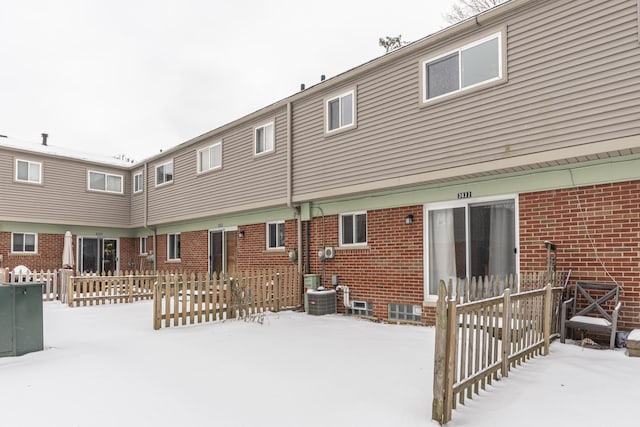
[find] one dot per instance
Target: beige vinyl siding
(573, 72)
(138, 199)
(63, 197)
(244, 179)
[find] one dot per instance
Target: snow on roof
(57, 151)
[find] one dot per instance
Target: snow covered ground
(105, 366)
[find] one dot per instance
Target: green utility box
(20, 318)
(311, 283)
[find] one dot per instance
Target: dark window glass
(443, 76)
(361, 228)
(334, 114)
(347, 229)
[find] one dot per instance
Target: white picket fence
(51, 290)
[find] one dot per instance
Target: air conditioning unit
(329, 252)
(321, 302)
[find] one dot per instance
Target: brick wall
(129, 253)
(49, 256)
(388, 270)
(252, 252)
(194, 252)
(596, 229)
(251, 249)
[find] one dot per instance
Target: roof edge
(448, 32)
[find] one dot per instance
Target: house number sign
(465, 195)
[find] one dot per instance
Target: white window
(24, 243)
(469, 66)
(353, 229)
(275, 235)
(138, 185)
(173, 246)
(210, 158)
(164, 173)
(100, 181)
(143, 245)
(340, 111)
(474, 238)
(28, 171)
(263, 139)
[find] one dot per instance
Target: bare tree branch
(464, 9)
(391, 43)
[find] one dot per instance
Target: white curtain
(442, 250)
(502, 240)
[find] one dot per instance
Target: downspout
(296, 211)
(145, 181)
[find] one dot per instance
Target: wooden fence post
(70, 291)
(130, 288)
(452, 345)
(276, 283)
(157, 306)
(440, 355)
(506, 331)
(228, 296)
(547, 318)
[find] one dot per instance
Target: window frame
(144, 239)
(176, 248)
(29, 163)
(355, 244)
(160, 165)
(277, 247)
(135, 180)
(255, 138)
(466, 203)
(327, 116)
(23, 251)
(106, 187)
(209, 148)
(500, 34)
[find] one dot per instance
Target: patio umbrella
(67, 251)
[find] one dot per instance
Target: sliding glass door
(469, 239)
(97, 254)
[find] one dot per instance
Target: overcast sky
(136, 76)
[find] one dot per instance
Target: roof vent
(322, 77)
(44, 138)
(302, 86)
